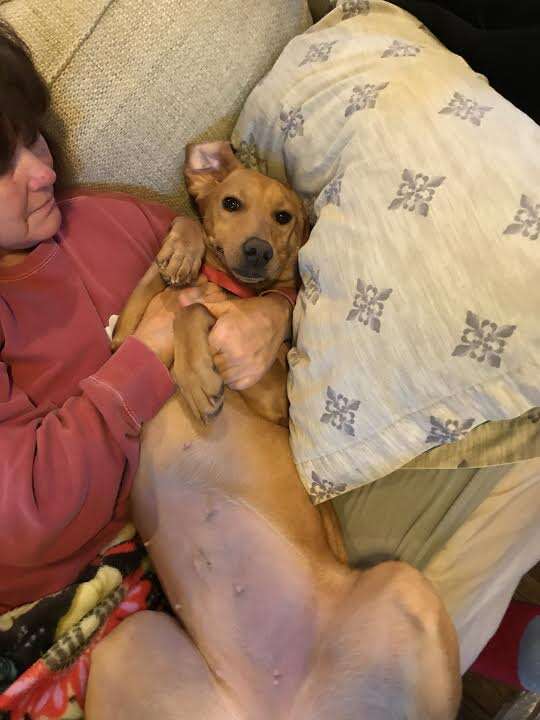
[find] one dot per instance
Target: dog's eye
(283, 217)
(231, 204)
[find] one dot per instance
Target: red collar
(240, 289)
(226, 281)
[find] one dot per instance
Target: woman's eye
(231, 204)
(283, 217)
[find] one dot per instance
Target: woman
(70, 413)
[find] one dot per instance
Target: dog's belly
(243, 557)
(249, 607)
(222, 534)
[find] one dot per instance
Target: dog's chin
(247, 277)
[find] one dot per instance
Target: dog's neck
(226, 281)
(216, 272)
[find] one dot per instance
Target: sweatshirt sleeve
(63, 471)
(159, 218)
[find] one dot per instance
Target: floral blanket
(46, 646)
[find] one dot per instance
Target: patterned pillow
(418, 318)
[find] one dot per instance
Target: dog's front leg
(268, 398)
(194, 369)
(148, 287)
(182, 252)
(177, 263)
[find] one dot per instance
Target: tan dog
(276, 625)
(254, 229)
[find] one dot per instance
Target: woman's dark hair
(24, 97)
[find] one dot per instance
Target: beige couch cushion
(418, 319)
(133, 81)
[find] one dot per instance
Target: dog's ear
(206, 165)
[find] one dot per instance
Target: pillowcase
(133, 81)
(418, 316)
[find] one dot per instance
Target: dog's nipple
(201, 562)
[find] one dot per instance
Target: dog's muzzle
(255, 256)
(256, 253)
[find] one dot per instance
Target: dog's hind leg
(390, 653)
(149, 668)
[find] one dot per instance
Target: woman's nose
(40, 174)
(42, 177)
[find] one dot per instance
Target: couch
(133, 82)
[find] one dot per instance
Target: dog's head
(255, 225)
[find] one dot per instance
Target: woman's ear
(206, 165)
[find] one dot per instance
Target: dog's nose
(257, 252)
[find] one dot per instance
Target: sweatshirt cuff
(139, 377)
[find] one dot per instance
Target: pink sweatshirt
(70, 413)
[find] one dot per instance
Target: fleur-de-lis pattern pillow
(418, 319)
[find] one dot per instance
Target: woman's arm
(64, 471)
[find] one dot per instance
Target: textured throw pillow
(133, 81)
(419, 314)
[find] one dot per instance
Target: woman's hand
(247, 336)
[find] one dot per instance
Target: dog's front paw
(202, 389)
(179, 260)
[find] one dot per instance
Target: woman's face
(28, 211)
